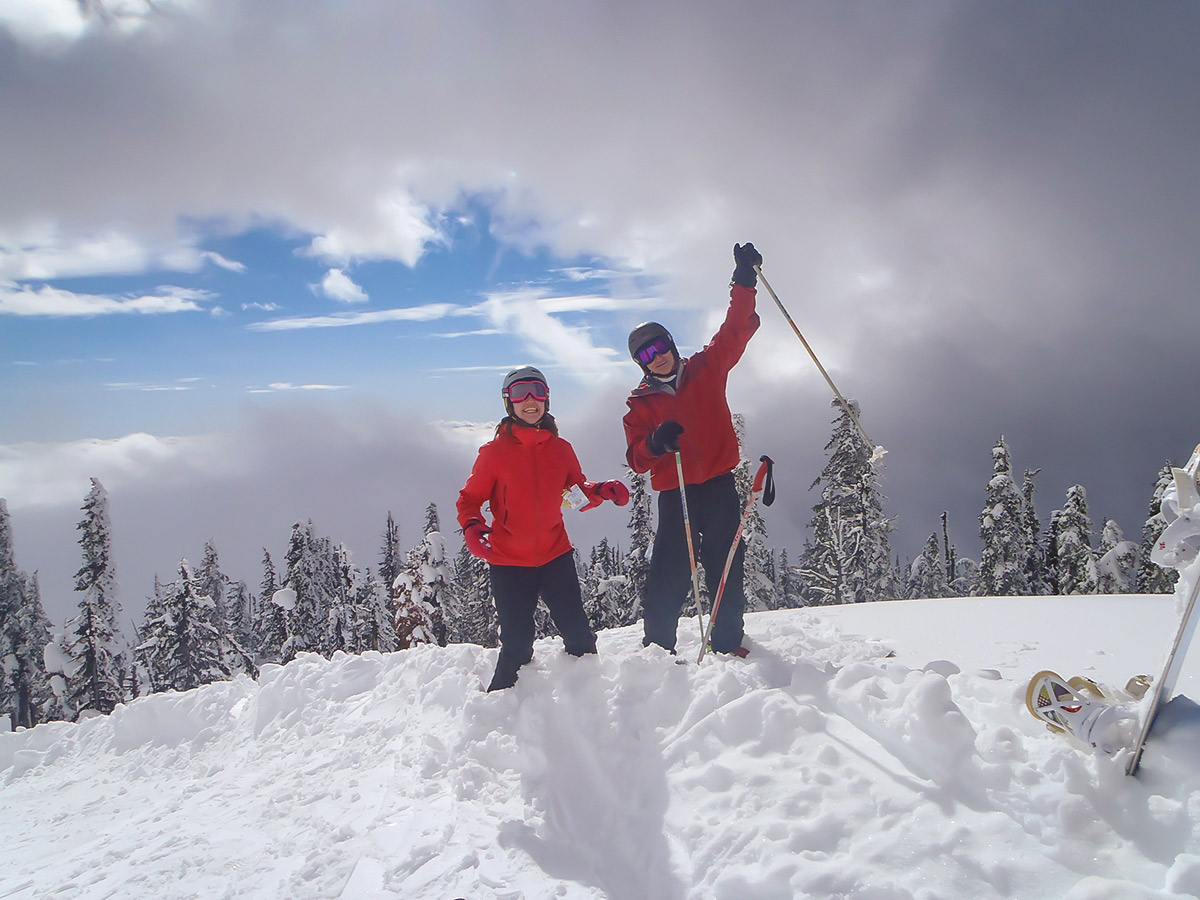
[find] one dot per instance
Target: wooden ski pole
(878, 451)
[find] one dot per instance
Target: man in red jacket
(680, 405)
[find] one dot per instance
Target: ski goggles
(521, 390)
(656, 347)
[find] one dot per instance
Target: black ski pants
(714, 509)
(516, 590)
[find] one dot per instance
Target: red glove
(598, 492)
(475, 533)
(614, 491)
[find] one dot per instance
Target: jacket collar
(527, 434)
(652, 385)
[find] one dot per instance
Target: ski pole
(687, 528)
(878, 451)
(763, 480)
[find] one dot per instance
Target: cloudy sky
(266, 261)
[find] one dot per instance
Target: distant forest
(202, 626)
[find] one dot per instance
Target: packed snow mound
(821, 766)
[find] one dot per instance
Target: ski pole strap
(764, 480)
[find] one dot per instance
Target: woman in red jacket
(523, 474)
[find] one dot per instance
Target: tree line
(203, 626)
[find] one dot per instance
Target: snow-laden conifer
(312, 577)
(374, 621)
(25, 693)
(181, 644)
(757, 563)
(927, 575)
(270, 621)
(636, 565)
(1151, 577)
(788, 585)
(1003, 529)
(391, 558)
(423, 589)
(1076, 558)
(1116, 561)
(475, 620)
(1035, 558)
(849, 559)
(91, 638)
(606, 595)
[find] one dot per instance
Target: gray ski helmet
(644, 334)
(523, 373)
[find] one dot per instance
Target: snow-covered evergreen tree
(1035, 559)
(758, 564)
(374, 622)
(211, 582)
(849, 559)
(423, 588)
(966, 577)
(1003, 569)
(341, 629)
(787, 584)
(25, 693)
(1077, 572)
(182, 646)
(1116, 561)
(605, 588)
(391, 559)
(475, 621)
(1151, 577)
(641, 539)
(241, 609)
(270, 623)
(310, 577)
(1052, 569)
(927, 575)
(92, 636)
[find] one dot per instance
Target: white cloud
(426, 313)
(143, 386)
(529, 316)
(397, 226)
(39, 21)
(56, 302)
(337, 285)
(36, 474)
(284, 386)
(223, 262)
(46, 253)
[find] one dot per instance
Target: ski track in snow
(818, 767)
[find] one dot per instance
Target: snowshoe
(1065, 706)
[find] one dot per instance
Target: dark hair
(546, 423)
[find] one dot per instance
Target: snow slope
(818, 767)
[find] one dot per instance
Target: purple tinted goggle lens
(656, 347)
(519, 390)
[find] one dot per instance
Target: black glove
(665, 438)
(745, 258)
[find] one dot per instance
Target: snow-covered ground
(819, 767)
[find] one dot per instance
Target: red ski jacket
(708, 445)
(522, 476)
